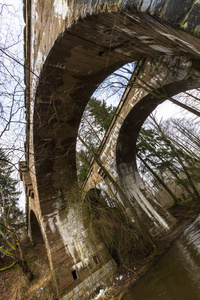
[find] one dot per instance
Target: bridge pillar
(156, 218)
(80, 263)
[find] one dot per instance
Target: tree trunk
(188, 108)
(179, 180)
(25, 268)
(159, 180)
(176, 154)
(190, 95)
(157, 94)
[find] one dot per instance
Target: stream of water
(176, 275)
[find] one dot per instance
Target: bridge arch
(35, 230)
(127, 138)
(126, 143)
(70, 75)
(82, 44)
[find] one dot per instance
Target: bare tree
(12, 121)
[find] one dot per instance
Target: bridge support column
(81, 262)
(156, 218)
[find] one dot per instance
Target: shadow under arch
(111, 225)
(106, 220)
(35, 230)
(99, 207)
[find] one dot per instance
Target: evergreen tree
(167, 153)
(82, 164)
(10, 213)
(96, 120)
(101, 112)
(11, 219)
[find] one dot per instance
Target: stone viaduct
(71, 46)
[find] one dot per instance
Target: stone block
(71, 294)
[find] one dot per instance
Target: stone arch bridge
(71, 46)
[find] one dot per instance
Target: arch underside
(79, 61)
(126, 156)
(35, 230)
(126, 144)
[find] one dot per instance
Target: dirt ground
(15, 286)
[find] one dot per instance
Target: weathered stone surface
(71, 46)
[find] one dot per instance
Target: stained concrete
(70, 48)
